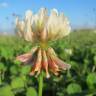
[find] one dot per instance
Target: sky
(81, 13)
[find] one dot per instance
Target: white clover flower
(43, 27)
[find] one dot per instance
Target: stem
(0, 78)
(40, 84)
(93, 69)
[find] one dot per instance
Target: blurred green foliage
(78, 49)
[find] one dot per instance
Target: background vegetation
(78, 49)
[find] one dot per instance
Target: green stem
(40, 84)
(0, 78)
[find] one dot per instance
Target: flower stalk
(40, 84)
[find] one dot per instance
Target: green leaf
(2, 67)
(89, 95)
(5, 52)
(31, 92)
(25, 69)
(74, 88)
(91, 79)
(6, 91)
(17, 62)
(17, 83)
(14, 70)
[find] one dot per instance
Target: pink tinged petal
(45, 64)
(51, 60)
(37, 64)
(33, 68)
(52, 54)
(62, 64)
(39, 59)
(27, 57)
(52, 66)
(33, 51)
(24, 58)
(59, 62)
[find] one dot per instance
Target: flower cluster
(41, 28)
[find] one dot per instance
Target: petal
(28, 15)
(28, 35)
(28, 29)
(43, 14)
(52, 24)
(57, 26)
(26, 58)
(64, 26)
(59, 62)
(45, 63)
(54, 12)
(40, 19)
(22, 26)
(37, 65)
(51, 51)
(53, 66)
(18, 29)
(44, 35)
(21, 29)
(62, 64)
(17, 21)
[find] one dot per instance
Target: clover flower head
(41, 28)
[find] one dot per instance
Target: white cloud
(3, 5)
